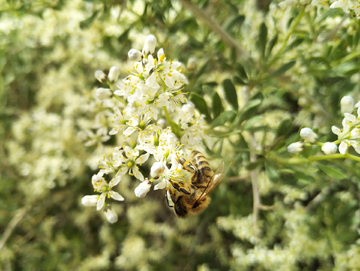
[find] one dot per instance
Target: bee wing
(215, 181)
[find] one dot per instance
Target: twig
(254, 177)
(266, 207)
(237, 178)
(11, 226)
(215, 27)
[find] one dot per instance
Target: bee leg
(179, 188)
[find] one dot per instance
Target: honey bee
(193, 196)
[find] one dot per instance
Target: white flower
(143, 188)
(329, 148)
(347, 5)
(157, 169)
(119, 122)
(194, 132)
(347, 104)
(101, 186)
(168, 143)
(174, 173)
(134, 55)
(288, 3)
(150, 44)
(114, 74)
(103, 93)
(111, 216)
(128, 163)
(100, 76)
(308, 135)
(98, 137)
(106, 165)
(89, 200)
(296, 147)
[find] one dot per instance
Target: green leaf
(85, 24)
(125, 35)
(332, 172)
(284, 128)
(241, 71)
(250, 123)
(262, 38)
(236, 21)
(174, 128)
(249, 111)
(271, 45)
(304, 178)
(223, 118)
(200, 105)
(238, 81)
(271, 172)
(283, 68)
(294, 44)
(230, 93)
(217, 106)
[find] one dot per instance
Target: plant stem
(291, 31)
(119, 99)
(167, 116)
(294, 161)
(286, 39)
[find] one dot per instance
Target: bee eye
(180, 210)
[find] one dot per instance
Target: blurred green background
(263, 71)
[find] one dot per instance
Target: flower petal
(142, 158)
(114, 181)
(101, 202)
(160, 185)
(138, 175)
(343, 147)
(116, 196)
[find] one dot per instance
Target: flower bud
(296, 147)
(89, 200)
(161, 122)
(114, 74)
(150, 44)
(100, 76)
(111, 216)
(103, 93)
(188, 108)
(191, 64)
(347, 104)
(134, 55)
(329, 148)
(143, 188)
(308, 135)
(156, 169)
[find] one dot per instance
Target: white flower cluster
(348, 136)
(348, 6)
(152, 117)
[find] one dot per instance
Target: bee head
(180, 209)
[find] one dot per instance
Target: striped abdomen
(203, 173)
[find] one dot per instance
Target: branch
(215, 27)
(11, 226)
(254, 178)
